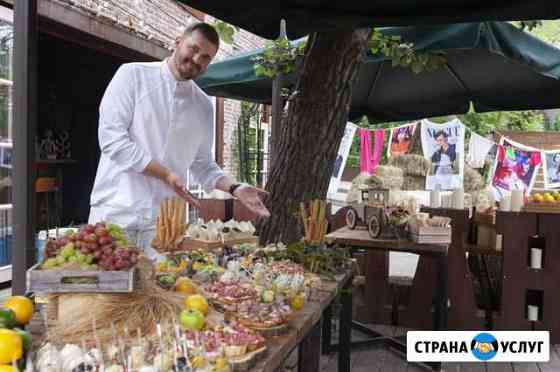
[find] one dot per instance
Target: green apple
(192, 320)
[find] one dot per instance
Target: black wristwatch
(233, 187)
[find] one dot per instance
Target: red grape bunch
(93, 246)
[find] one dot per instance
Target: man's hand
(250, 197)
(156, 170)
(177, 184)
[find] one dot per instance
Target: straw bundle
(140, 310)
(412, 165)
(414, 183)
(170, 225)
(473, 180)
(386, 177)
(314, 221)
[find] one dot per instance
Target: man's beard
(193, 71)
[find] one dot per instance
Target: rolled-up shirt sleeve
(204, 168)
(115, 118)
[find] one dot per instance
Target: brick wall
(159, 21)
(243, 42)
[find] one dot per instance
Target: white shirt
(479, 147)
(146, 114)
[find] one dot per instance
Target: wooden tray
(56, 281)
(246, 362)
(266, 332)
(190, 244)
(542, 208)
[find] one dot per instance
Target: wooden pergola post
(24, 133)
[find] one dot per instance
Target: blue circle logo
(484, 346)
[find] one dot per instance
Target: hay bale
(386, 177)
(355, 193)
(412, 165)
(473, 180)
(414, 183)
(144, 308)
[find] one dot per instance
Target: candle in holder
(444, 201)
(516, 200)
(458, 198)
(536, 258)
(491, 199)
(505, 203)
(533, 313)
(435, 199)
(499, 242)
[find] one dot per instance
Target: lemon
(198, 362)
(197, 266)
(22, 307)
(184, 285)
(11, 346)
(5, 368)
(549, 198)
(197, 302)
(538, 198)
(297, 302)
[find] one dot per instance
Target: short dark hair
(207, 30)
(440, 133)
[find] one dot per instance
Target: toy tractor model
(369, 212)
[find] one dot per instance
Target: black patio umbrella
(305, 16)
(494, 65)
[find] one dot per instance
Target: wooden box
(430, 235)
(63, 281)
(542, 208)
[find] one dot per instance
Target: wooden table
(305, 333)
(360, 238)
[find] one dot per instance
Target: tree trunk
(309, 138)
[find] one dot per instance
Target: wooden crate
(431, 235)
(56, 281)
(542, 208)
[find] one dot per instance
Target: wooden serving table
(360, 239)
(305, 333)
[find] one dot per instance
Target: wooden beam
(24, 132)
(201, 16)
(219, 137)
(82, 28)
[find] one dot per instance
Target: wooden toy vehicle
(370, 212)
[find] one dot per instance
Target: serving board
(189, 244)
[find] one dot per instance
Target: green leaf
(260, 70)
(225, 31)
